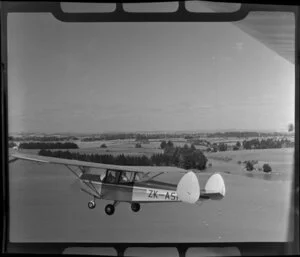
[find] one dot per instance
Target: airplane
(132, 184)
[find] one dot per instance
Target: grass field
(281, 161)
(47, 206)
(113, 147)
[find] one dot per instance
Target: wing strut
(83, 170)
(156, 175)
(13, 160)
(73, 171)
(93, 188)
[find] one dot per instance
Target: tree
(170, 144)
(238, 144)
(214, 147)
(222, 147)
(187, 162)
(163, 144)
(103, 146)
(193, 147)
(44, 145)
(138, 145)
(200, 160)
(186, 147)
(169, 151)
(192, 159)
(267, 168)
(249, 166)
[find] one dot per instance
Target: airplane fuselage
(150, 191)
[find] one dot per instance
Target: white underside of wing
(138, 169)
(28, 158)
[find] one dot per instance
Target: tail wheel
(109, 209)
(135, 207)
(91, 204)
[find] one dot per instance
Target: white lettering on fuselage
(167, 195)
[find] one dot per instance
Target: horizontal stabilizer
(215, 187)
(188, 188)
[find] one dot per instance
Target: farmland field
(46, 205)
(280, 160)
(113, 147)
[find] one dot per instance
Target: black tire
(91, 205)
(135, 207)
(109, 209)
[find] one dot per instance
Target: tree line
(221, 147)
(43, 139)
(267, 143)
(187, 158)
(199, 142)
(244, 134)
(122, 136)
(44, 145)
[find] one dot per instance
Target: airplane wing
(275, 29)
(188, 188)
(83, 164)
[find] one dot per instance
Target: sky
(101, 77)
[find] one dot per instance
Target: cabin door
(117, 186)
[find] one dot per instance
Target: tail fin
(188, 188)
(215, 187)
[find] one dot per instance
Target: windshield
(207, 97)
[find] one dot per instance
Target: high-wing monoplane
(134, 184)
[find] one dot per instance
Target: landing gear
(109, 209)
(135, 207)
(91, 204)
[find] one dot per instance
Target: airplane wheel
(135, 207)
(109, 209)
(91, 204)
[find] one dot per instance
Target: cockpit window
(138, 177)
(112, 176)
(126, 177)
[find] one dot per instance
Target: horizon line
(157, 131)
